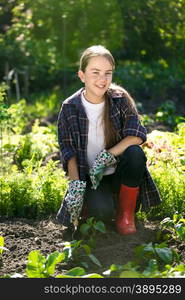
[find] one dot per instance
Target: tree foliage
(52, 33)
(153, 29)
(47, 37)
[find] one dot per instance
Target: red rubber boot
(125, 222)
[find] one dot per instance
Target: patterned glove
(74, 199)
(102, 160)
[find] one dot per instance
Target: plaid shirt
(73, 137)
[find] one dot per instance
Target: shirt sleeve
(132, 125)
(65, 139)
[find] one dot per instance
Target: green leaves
(91, 226)
(175, 225)
(2, 248)
(78, 273)
(36, 265)
(84, 228)
(100, 226)
(180, 230)
(164, 253)
(155, 251)
(90, 229)
(1, 245)
(94, 260)
(165, 153)
(40, 267)
(52, 260)
(78, 252)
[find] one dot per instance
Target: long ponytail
(111, 136)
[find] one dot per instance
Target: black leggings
(130, 169)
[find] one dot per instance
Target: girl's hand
(103, 160)
(74, 199)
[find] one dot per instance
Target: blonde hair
(110, 134)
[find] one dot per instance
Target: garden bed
(24, 235)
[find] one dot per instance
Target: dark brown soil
(23, 235)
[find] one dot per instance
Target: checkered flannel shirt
(73, 137)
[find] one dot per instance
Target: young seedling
(78, 252)
(39, 266)
(90, 229)
(173, 228)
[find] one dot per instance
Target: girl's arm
(123, 144)
(73, 169)
(133, 132)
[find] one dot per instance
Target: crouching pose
(100, 134)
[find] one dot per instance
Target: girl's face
(97, 78)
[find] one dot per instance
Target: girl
(100, 134)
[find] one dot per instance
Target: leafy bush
(31, 148)
(166, 114)
(32, 193)
(166, 161)
(19, 116)
(156, 80)
(4, 114)
(44, 104)
(35, 145)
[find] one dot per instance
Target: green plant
(147, 120)
(174, 226)
(160, 252)
(129, 270)
(19, 116)
(78, 272)
(2, 248)
(90, 228)
(35, 146)
(34, 192)
(151, 261)
(78, 252)
(166, 114)
(39, 266)
(4, 114)
(165, 153)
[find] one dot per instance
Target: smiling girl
(99, 134)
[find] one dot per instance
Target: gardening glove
(74, 199)
(102, 160)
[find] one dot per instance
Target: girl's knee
(135, 153)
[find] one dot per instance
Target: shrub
(156, 80)
(32, 193)
(166, 161)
